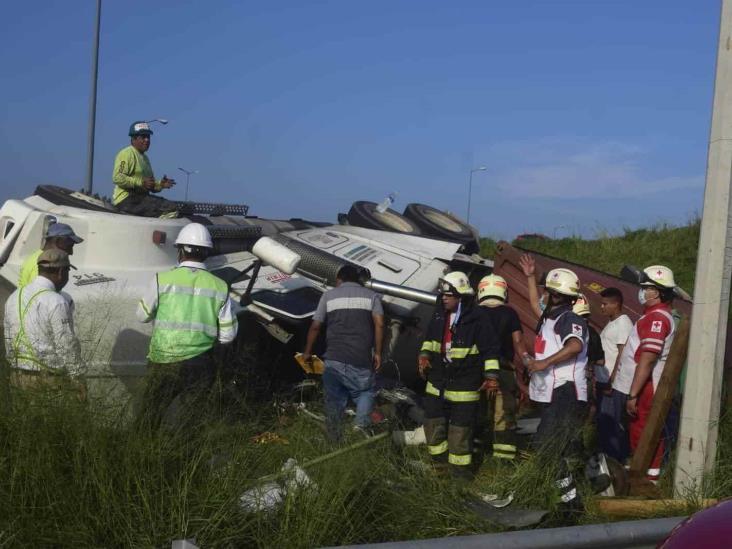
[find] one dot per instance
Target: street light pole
(188, 173)
(470, 187)
(93, 103)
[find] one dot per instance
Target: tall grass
(675, 247)
(71, 474)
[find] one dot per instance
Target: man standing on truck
(134, 179)
(191, 310)
(59, 236)
(644, 355)
(458, 358)
(354, 320)
(40, 342)
(501, 413)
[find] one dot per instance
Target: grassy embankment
(74, 474)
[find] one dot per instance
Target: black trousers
(560, 428)
(174, 392)
(448, 428)
(146, 205)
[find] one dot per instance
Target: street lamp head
(162, 121)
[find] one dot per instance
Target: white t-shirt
(614, 333)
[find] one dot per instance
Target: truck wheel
(364, 214)
(66, 197)
(443, 225)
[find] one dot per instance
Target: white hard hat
(660, 275)
(456, 282)
(581, 307)
(492, 286)
(563, 281)
(194, 234)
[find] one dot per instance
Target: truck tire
(440, 224)
(363, 214)
(66, 197)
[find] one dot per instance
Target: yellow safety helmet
(661, 276)
(581, 307)
(492, 286)
(563, 281)
(455, 282)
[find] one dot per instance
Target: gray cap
(62, 229)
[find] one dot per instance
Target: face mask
(542, 305)
(642, 296)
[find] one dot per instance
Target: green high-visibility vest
(186, 320)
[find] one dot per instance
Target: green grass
(675, 247)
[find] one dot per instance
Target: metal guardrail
(633, 534)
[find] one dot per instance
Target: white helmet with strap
(661, 276)
(563, 281)
(194, 234)
(581, 307)
(455, 282)
(494, 286)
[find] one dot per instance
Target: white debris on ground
(496, 501)
(409, 438)
(269, 495)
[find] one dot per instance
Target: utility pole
(697, 446)
(93, 103)
(470, 188)
(188, 173)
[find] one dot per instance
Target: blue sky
(589, 116)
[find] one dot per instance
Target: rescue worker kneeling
(459, 358)
(191, 310)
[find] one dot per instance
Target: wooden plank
(629, 507)
(662, 399)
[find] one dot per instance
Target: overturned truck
(400, 256)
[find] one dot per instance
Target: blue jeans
(341, 381)
(612, 432)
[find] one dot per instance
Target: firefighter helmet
(563, 281)
(492, 286)
(457, 283)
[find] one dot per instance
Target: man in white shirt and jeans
(40, 341)
(611, 431)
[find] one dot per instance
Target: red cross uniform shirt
(558, 327)
(653, 333)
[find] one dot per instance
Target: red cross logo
(659, 272)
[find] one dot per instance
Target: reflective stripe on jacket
(187, 320)
(473, 355)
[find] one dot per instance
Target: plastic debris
(496, 501)
(269, 495)
(409, 438)
(265, 497)
(527, 426)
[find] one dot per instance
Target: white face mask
(642, 296)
